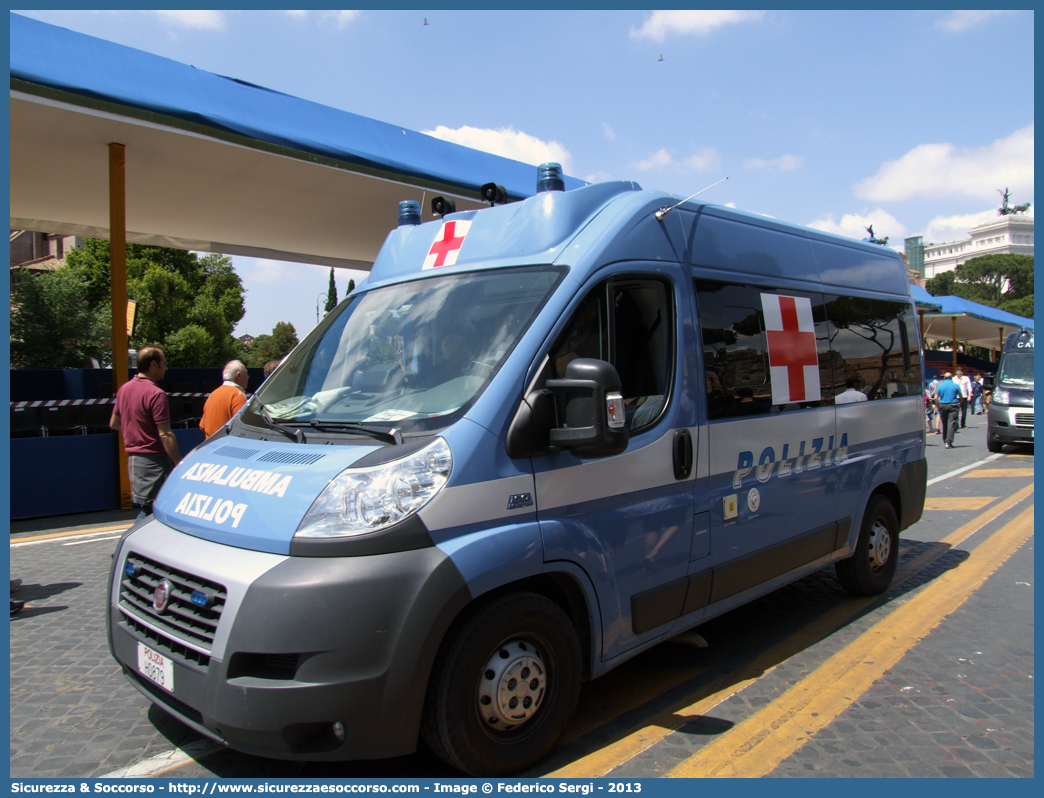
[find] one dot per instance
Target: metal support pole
(118, 282)
(954, 320)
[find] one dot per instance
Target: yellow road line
(757, 745)
(998, 472)
(72, 532)
(600, 762)
(959, 502)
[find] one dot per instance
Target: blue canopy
(244, 170)
(959, 306)
(58, 58)
(923, 299)
(966, 321)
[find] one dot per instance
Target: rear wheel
(869, 570)
(504, 687)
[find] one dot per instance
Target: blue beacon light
(409, 213)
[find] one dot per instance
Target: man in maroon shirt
(142, 414)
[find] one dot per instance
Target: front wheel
(868, 572)
(504, 687)
(991, 445)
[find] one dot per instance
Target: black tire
(869, 571)
(521, 632)
(991, 445)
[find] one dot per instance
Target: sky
(908, 120)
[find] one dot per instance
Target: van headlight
(1002, 397)
(359, 501)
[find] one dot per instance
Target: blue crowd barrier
(71, 473)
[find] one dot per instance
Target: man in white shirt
(964, 383)
(850, 394)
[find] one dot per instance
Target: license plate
(153, 665)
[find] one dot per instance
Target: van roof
(1021, 341)
(609, 222)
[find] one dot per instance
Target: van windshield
(1017, 369)
(411, 356)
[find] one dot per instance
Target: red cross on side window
(792, 348)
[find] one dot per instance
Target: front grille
(181, 619)
(165, 645)
(1023, 419)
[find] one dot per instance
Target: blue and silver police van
(1010, 417)
(541, 438)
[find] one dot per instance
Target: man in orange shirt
(225, 402)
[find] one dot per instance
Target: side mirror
(583, 412)
(590, 408)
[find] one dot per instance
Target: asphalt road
(935, 678)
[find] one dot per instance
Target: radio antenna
(664, 211)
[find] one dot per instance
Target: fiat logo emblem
(161, 595)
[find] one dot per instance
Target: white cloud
(268, 272)
(206, 20)
(785, 163)
(705, 158)
(609, 132)
(853, 225)
(598, 177)
(296, 13)
(342, 18)
(959, 21)
(943, 170)
(507, 142)
(657, 160)
(658, 24)
(943, 229)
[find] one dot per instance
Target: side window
(875, 348)
(628, 321)
(764, 350)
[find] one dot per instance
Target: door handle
(682, 454)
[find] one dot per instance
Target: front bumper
(1010, 423)
(301, 643)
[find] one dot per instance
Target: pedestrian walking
(142, 415)
(949, 395)
(932, 406)
(226, 400)
(977, 391)
(964, 384)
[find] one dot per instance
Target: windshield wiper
(296, 434)
(390, 435)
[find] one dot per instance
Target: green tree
(272, 347)
(331, 293)
(1000, 281)
(175, 290)
(351, 287)
(53, 325)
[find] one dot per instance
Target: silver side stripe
(477, 503)
(649, 467)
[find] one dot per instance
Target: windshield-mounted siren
(409, 213)
(549, 178)
(440, 206)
